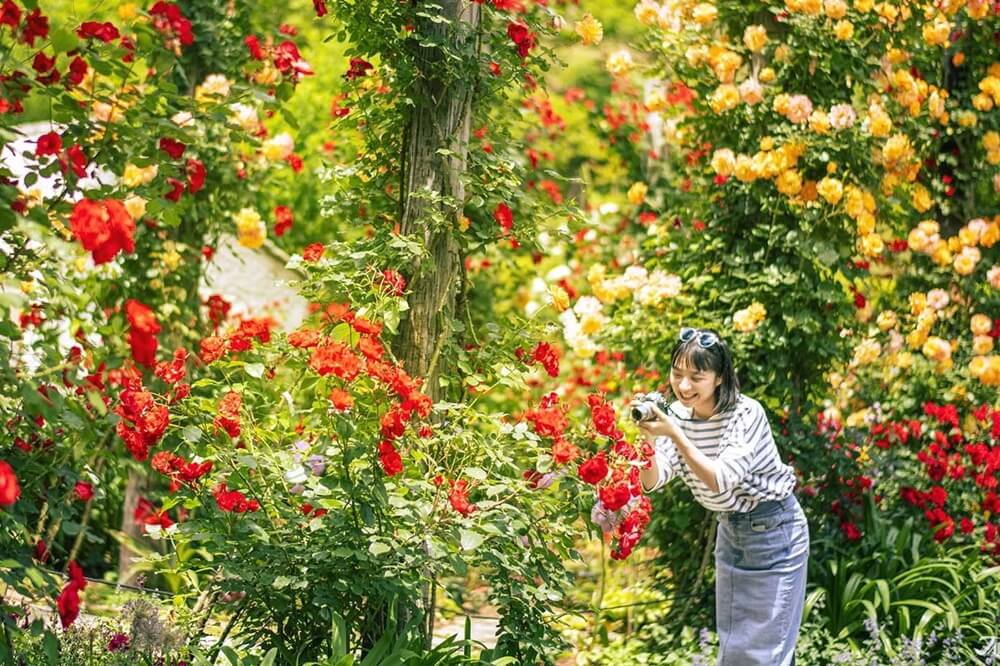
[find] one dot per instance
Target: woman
(720, 443)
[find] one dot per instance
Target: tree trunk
(130, 527)
(441, 119)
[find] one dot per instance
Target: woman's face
(695, 388)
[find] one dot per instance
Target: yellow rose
(879, 122)
(819, 122)
(595, 274)
(978, 366)
(863, 6)
(941, 254)
(921, 199)
(811, 7)
(744, 170)
(755, 38)
(723, 162)
(647, 12)
(767, 75)
(872, 245)
(704, 13)
(780, 104)
(559, 298)
(751, 92)
(991, 141)
(982, 102)
(789, 183)
(590, 30)
(936, 33)
(250, 228)
(982, 344)
(464, 223)
(135, 205)
(866, 223)
(843, 30)
(990, 235)
(278, 147)
(128, 11)
(620, 62)
(835, 9)
(782, 52)
(637, 193)
(725, 97)
(808, 192)
(965, 264)
(135, 176)
(887, 320)
(897, 148)
(936, 349)
(866, 352)
(830, 189)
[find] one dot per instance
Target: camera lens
(640, 412)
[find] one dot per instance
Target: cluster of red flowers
(359, 67)
(285, 56)
(103, 227)
(615, 472)
(329, 357)
(950, 461)
(240, 339)
(283, 220)
(179, 470)
(51, 143)
(548, 356)
(549, 420)
(143, 328)
(458, 497)
(68, 601)
(147, 514)
(228, 414)
(522, 36)
(143, 421)
(169, 21)
(233, 501)
(393, 282)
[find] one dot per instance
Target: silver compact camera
(642, 408)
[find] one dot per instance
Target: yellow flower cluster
(962, 250)
(749, 318)
(769, 162)
(250, 228)
(866, 352)
(590, 30)
(637, 193)
(647, 288)
(991, 142)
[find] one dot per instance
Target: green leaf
(51, 645)
(63, 40)
(471, 540)
(269, 658)
(191, 434)
(281, 582)
(379, 548)
(255, 370)
(475, 472)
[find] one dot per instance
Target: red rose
(106, 32)
(504, 217)
(49, 143)
(320, 7)
(9, 488)
(359, 67)
(594, 470)
(68, 602)
(341, 399)
(10, 14)
(228, 417)
(104, 228)
(459, 498)
(392, 463)
(195, 175)
(256, 52)
(522, 37)
(77, 160)
(313, 252)
(77, 71)
(35, 26)
(614, 496)
(172, 147)
(84, 491)
(282, 219)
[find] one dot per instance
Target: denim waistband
(762, 509)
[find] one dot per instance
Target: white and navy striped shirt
(740, 441)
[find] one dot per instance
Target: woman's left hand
(661, 426)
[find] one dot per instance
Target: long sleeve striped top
(749, 469)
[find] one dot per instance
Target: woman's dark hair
(716, 358)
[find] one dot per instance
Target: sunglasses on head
(705, 338)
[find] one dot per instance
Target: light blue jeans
(760, 583)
